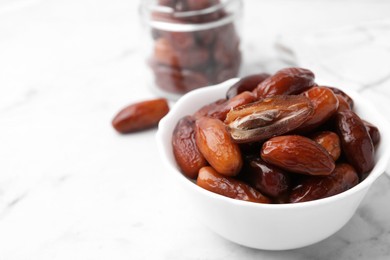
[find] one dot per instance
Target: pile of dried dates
(186, 60)
(276, 139)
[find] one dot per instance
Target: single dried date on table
(140, 116)
(212, 181)
(268, 117)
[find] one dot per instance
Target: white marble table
(72, 188)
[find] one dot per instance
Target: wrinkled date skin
(216, 146)
(330, 141)
(212, 181)
(285, 82)
(373, 131)
(325, 104)
(221, 108)
(185, 150)
(342, 178)
(268, 117)
(356, 142)
(248, 83)
(266, 178)
(140, 116)
(297, 154)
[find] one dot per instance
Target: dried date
(216, 146)
(248, 83)
(287, 81)
(343, 104)
(297, 154)
(325, 104)
(140, 116)
(330, 141)
(185, 150)
(344, 95)
(373, 131)
(211, 180)
(268, 179)
(221, 107)
(356, 141)
(341, 179)
(268, 117)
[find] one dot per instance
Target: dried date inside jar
(191, 44)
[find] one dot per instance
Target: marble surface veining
(71, 188)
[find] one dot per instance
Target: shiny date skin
(212, 110)
(297, 154)
(343, 104)
(268, 117)
(287, 81)
(185, 150)
(374, 133)
(211, 180)
(344, 95)
(248, 83)
(330, 141)
(140, 116)
(221, 107)
(268, 179)
(355, 141)
(215, 144)
(325, 104)
(311, 188)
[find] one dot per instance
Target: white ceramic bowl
(269, 226)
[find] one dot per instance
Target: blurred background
(42, 40)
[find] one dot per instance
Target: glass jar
(191, 43)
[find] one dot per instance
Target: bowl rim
(169, 120)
